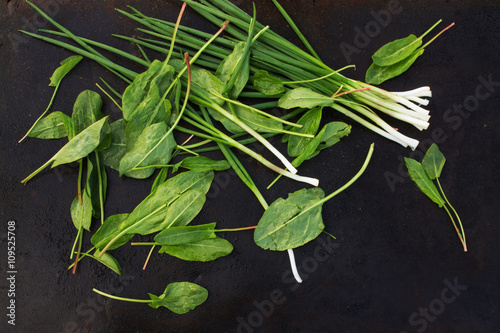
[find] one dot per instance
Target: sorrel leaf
(50, 127)
(332, 133)
(303, 98)
(66, 65)
(107, 231)
(201, 163)
(254, 120)
(180, 297)
(136, 92)
(291, 222)
(376, 74)
(151, 148)
(185, 234)
(310, 122)
(149, 215)
(267, 84)
(117, 148)
(229, 68)
(81, 213)
(400, 49)
(397, 50)
(433, 162)
(202, 250)
(82, 144)
(86, 110)
(109, 261)
(183, 209)
(420, 177)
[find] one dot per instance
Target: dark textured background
(394, 251)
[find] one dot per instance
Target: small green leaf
(376, 75)
(185, 234)
(229, 68)
(50, 127)
(310, 122)
(397, 50)
(267, 84)
(108, 230)
(303, 98)
(201, 163)
(81, 213)
(117, 148)
(180, 297)
(82, 144)
(433, 162)
(202, 250)
(139, 89)
(109, 261)
(66, 65)
(420, 177)
(86, 110)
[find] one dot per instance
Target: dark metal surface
(396, 265)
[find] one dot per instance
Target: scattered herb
(423, 175)
(178, 297)
(394, 58)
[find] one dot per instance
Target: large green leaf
(50, 127)
(210, 84)
(292, 222)
(420, 177)
(202, 250)
(180, 297)
(433, 162)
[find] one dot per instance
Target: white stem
(294, 266)
(419, 92)
(421, 101)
